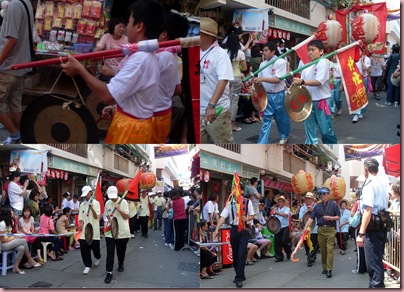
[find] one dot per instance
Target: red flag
(355, 91)
(98, 194)
(303, 53)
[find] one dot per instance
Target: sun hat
(85, 190)
(309, 195)
(280, 198)
(209, 26)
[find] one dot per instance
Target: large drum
(274, 224)
(53, 118)
(114, 228)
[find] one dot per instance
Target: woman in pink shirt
(180, 218)
(112, 40)
(47, 226)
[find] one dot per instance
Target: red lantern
(365, 27)
(147, 180)
(302, 182)
(337, 187)
(123, 184)
(330, 33)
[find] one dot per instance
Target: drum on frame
(259, 97)
(298, 103)
(114, 228)
(395, 80)
(274, 224)
(57, 118)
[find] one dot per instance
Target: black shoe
(310, 264)
(234, 281)
(108, 278)
(329, 274)
(121, 268)
(288, 256)
(278, 260)
(324, 272)
(145, 236)
(154, 229)
(239, 284)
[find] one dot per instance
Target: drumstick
(146, 46)
(357, 43)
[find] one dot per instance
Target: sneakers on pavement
(378, 97)
(166, 244)
(97, 262)
(360, 116)
(11, 140)
(395, 104)
(132, 235)
(86, 270)
(355, 119)
(171, 246)
(339, 112)
(108, 278)
(387, 103)
(283, 141)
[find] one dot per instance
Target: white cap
(112, 192)
(85, 190)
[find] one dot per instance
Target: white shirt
(375, 195)
(74, 205)
(302, 212)
(215, 65)
(135, 86)
(321, 73)
(90, 218)
(366, 62)
(65, 203)
(210, 207)
(284, 220)
(231, 209)
(15, 196)
(123, 231)
(169, 79)
(278, 69)
(376, 67)
(336, 70)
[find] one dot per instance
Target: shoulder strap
(31, 41)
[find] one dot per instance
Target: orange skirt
(161, 128)
(128, 130)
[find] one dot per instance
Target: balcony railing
(297, 7)
(77, 149)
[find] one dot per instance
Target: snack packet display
(90, 28)
(87, 8)
(49, 9)
(69, 24)
(48, 24)
(78, 8)
(40, 11)
(96, 9)
(82, 26)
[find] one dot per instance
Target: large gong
(273, 224)
(95, 106)
(49, 119)
(259, 97)
(298, 103)
(306, 217)
(114, 228)
(88, 233)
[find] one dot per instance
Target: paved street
(148, 264)
(378, 126)
(268, 274)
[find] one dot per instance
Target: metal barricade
(392, 247)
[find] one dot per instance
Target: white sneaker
(355, 119)
(339, 112)
(86, 270)
(258, 253)
(132, 235)
(171, 246)
(10, 140)
(166, 244)
(97, 262)
(283, 141)
(396, 104)
(387, 103)
(360, 116)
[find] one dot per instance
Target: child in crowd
(296, 232)
(262, 242)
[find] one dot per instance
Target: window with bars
(297, 7)
(230, 147)
(77, 149)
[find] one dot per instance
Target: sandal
(57, 259)
(206, 277)
(247, 121)
(248, 263)
(237, 129)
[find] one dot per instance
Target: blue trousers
(393, 92)
(335, 99)
(169, 236)
(374, 243)
(239, 242)
(318, 120)
(275, 108)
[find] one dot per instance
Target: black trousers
(120, 245)
(282, 239)
(360, 257)
(179, 228)
(143, 224)
(132, 224)
(374, 243)
(312, 256)
(86, 249)
(239, 242)
(345, 237)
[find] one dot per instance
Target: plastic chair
(45, 253)
(4, 266)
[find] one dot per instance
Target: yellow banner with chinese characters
(352, 80)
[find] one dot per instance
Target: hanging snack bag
(39, 27)
(82, 26)
(61, 10)
(90, 28)
(68, 11)
(87, 9)
(48, 24)
(40, 11)
(57, 22)
(49, 9)
(99, 33)
(78, 8)
(69, 24)
(96, 9)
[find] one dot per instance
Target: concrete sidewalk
(287, 274)
(148, 264)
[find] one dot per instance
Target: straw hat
(280, 198)
(346, 201)
(209, 26)
(309, 195)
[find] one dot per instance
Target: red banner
(352, 80)
(379, 10)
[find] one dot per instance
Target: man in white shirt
(215, 73)
(282, 238)
(74, 204)
(211, 210)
